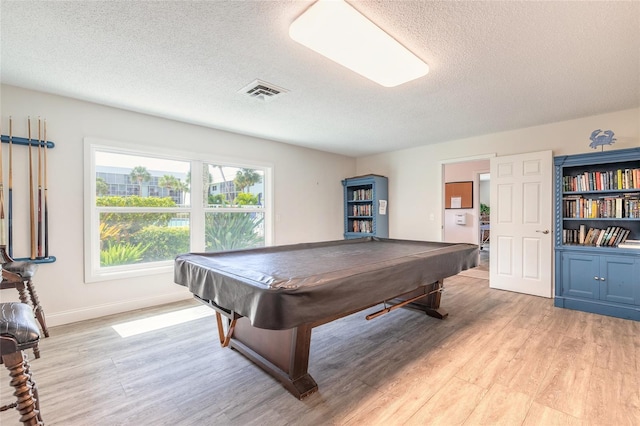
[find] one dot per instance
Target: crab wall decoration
(600, 138)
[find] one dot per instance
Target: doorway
(468, 230)
(484, 234)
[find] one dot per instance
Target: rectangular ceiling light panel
(336, 30)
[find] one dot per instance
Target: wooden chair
(20, 277)
(19, 331)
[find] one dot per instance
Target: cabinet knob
(601, 278)
(596, 278)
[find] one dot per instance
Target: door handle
(546, 231)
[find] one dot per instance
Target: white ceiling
(494, 66)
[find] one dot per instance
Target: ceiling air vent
(262, 90)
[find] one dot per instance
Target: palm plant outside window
(234, 210)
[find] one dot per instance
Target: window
(234, 208)
(144, 208)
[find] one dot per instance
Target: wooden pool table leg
(432, 301)
(284, 354)
(430, 304)
(225, 338)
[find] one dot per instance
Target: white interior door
(521, 238)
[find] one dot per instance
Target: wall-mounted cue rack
(24, 141)
(39, 208)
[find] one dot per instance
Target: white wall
(484, 196)
(413, 205)
(307, 195)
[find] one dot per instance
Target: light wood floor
(500, 358)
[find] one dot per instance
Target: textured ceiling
(494, 66)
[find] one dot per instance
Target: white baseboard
(98, 311)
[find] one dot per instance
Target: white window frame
(196, 210)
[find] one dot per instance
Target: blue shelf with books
(365, 207)
(597, 232)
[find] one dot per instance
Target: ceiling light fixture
(336, 30)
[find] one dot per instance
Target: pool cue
(10, 205)
(39, 255)
(3, 241)
(399, 305)
(32, 207)
(46, 206)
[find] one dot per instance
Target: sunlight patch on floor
(133, 328)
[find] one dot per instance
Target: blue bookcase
(596, 199)
(365, 207)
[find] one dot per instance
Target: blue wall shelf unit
(597, 219)
(365, 207)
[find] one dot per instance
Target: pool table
(273, 297)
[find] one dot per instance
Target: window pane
(145, 177)
(128, 238)
(233, 186)
(233, 230)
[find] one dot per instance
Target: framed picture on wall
(458, 195)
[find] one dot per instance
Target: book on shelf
(362, 195)
(603, 180)
(625, 206)
(362, 226)
(601, 236)
(607, 237)
(624, 233)
(612, 236)
(632, 244)
(361, 210)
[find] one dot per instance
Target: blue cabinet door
(580, 275)
(619, 279)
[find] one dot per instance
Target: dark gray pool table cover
(282, 287)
